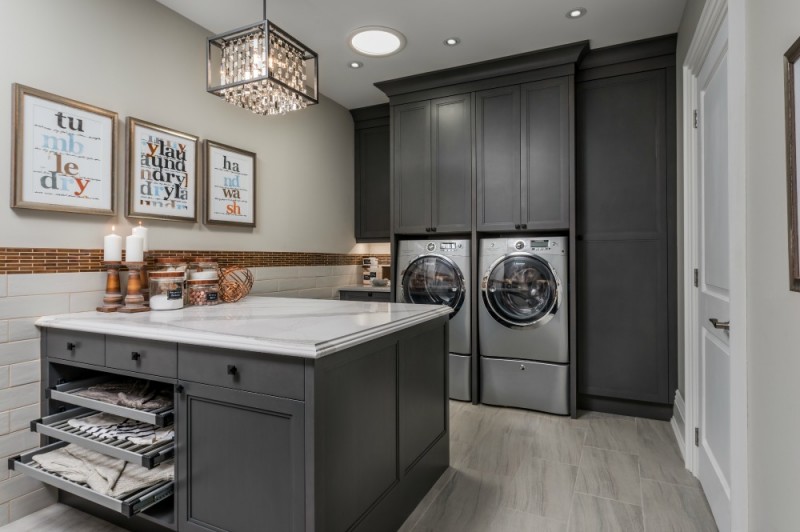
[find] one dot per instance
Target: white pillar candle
(142, 232)
(112, 247)
(134, 249)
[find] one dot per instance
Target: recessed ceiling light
(356, 64)
(578, 12)
(452, 41)
(376, 41)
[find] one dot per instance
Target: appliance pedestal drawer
(525, 384)
(129, 506)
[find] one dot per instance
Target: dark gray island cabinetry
(289, 415)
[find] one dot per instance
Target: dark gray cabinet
(626, 236)
(523, 139)
(240, 460)
(372, 169)
(433, 165)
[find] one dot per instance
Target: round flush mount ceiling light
(376, 41)
(355, 64)
(578, 12)
(452, 41)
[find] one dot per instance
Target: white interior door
(713, 311)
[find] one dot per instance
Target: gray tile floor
(513, 470)
(519, 471)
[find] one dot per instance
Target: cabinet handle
(136, 356)
(524, 226)
(232, 369)
(433, 229)
(427, 229)
(179, 388)
(516, 226)
(71, 346)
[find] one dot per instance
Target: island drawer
(128, 506)
(76, 346)
(364, 295)
(143, 356)
(65, 393)
(146, 455)
(241, 370)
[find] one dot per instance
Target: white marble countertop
(307, 328)
(365, 288)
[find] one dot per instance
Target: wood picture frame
(63, 154)
(792, 77)
(230, 185)
(161, 172)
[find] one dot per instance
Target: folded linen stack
(111, 427)
(103, 474)
(130, 393)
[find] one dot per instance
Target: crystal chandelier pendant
(263, 69)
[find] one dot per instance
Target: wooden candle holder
(112, 300)
(134, 300)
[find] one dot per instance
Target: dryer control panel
(545, 246)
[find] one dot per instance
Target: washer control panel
(444, 247)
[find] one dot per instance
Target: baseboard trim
(678, 422)
(625, 407)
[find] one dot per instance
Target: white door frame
(714, 13)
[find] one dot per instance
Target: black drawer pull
(516, 226)
(71, 346)
(524, 226)
(136, 356)
(370, 294)
(232, 369)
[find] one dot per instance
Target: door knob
(724, 325)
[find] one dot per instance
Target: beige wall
(140, 59)
(691, 16)
(773, 311)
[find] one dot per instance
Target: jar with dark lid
(169, 264)
(203, 292)
(166, 290)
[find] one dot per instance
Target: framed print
(230, 185)
(63, 154)
(162, 172)
(792, 69)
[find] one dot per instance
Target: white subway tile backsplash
(85, 301)
(316, 293)
(18, 396)
(4, 514)
(3, 285)
(277, 272)
(16, 443)
(18, 486)
(3, 331)
(30, 306)
(20, 418)
(25, 373)
(55, 283)
(264, 287)
(285, 293)
(296, 284)
(16, 352)
(5, 376)
(4, 423)
(33, 502)
(23, 329)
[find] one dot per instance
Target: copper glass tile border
(54, 260)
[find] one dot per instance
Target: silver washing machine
(437, 272)
(523, 323)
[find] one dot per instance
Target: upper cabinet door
(452, 163)
(412, 167)
(372, 183)
(546, 139)
(497, 146)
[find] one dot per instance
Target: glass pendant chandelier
(262, 68)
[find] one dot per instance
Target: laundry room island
(289, 414)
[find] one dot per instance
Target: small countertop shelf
(365, 288)
(306, 328)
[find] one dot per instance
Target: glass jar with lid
(170, 264)
(203, 268)
(203, 292)
(166, 290)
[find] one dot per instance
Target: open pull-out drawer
(130, 505)
(66, 394)
(57, 426)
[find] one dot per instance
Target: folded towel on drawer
(130, 393)
(103, 474)
(109, 426)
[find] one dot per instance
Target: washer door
(521, 290)
(433, 280)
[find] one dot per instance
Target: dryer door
(433, 280)
(521, 290)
